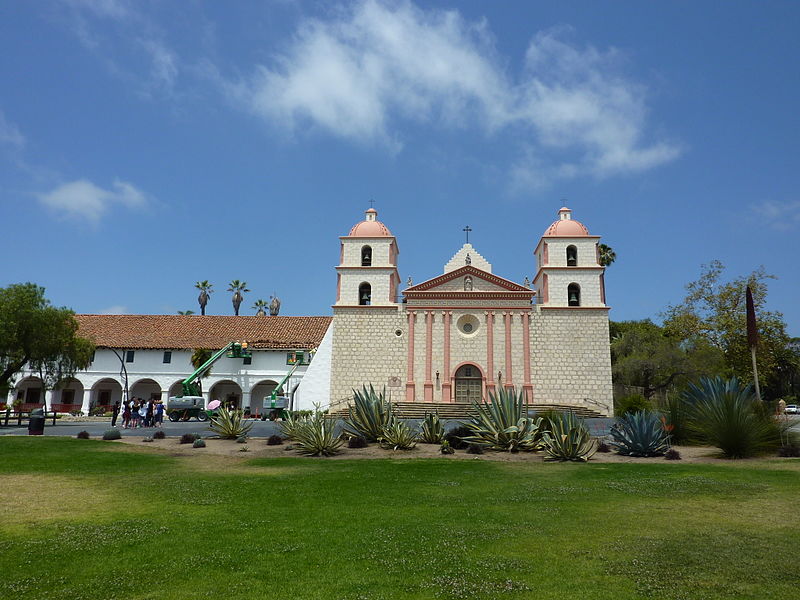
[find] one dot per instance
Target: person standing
(159, 414)
(126, 414)
(114, 414)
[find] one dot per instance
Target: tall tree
(198, 359)
(239, 288)
(185, 312)
(261, 306)
(715, 310)
(205, 293)
(607, 255)
(39, 335)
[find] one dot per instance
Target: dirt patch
(36, 498)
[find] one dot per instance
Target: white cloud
(9, 133)
(115, 310)
(783, 216)
(82, 199)
(368, 69)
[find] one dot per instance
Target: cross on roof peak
(467, 229)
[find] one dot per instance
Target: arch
(226, 391)
(176, 389)
(573, 294)
(104, 394)
(260, 392)
(572, 256)
(468, 383)
(145, 388)
(366, 256)
(364, 294)
(30, 390)
(68, 396)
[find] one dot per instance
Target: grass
(141, 525)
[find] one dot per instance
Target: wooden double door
(469, 384)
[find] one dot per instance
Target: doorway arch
(468, 384)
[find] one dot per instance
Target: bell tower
(367, 271)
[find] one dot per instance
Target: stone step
(446, 410)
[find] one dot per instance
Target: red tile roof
(195, 331)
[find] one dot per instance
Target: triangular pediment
(467, 279)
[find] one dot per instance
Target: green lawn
(83, 519)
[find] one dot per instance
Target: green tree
(714, 311)
(260, 306)
(185, 312)
(239, 288)
(644, 355)
(199, 357)
(205, 293)
(607, 255)
(39, 335)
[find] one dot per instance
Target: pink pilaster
(410, 391)
(446, 397)
(489, 352)
(428, 386)
(509, 374)
(527, 387)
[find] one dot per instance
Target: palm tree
(185, 312)
(238, 288)
(205, 292)
(607, 255)
(199, 357)
(260, 305)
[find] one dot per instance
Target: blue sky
(147, 145)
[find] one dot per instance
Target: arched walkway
(228, 392)
(259, 393)
(176, 389)
(68, 397)
(104, 394)
(31, 392)
(468, 384)
(146, 389)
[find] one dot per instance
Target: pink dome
(566, 226)
(370, 226)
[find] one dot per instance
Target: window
(365, 294)
(366, 256)
(167, 357)
(572, 256)
(573, 294)
(93, 353)
(247, 360)
(129, 356)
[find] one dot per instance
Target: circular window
(468, 325)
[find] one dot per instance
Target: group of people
(138, 412)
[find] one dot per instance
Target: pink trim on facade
(527, 387)
(428, 386)
(446, 386)
(546, 255)
(410, 391)
(490, 350)
(485, 383)
(509, 374)
(545, 289)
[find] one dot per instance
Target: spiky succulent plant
(369, 414)
(568, 439)
(315, 436)
(432, 429)
(640, 433)
(229, 424)
(503, 423)
(398, 436)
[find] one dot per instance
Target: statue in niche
(409, 283)
(527, 283)
(467, 283)
(468, 259)
(274, 306)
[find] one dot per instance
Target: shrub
(314, 436)
(189, 438)
(726, 414)
(432, 429)
(676, 414)
(446, 448)
(640, 434)
(274, 440)
(474, 449)
(242, 439)
(229, 424)
(112, 434)
(568, 439)
(357, 441)
(83, 435)
(147, 439)
(630, 404)
(503, 424)
(244, 449)
(76, 413)
(199, 443)
(398, 436)
(603, 447)
(370, 414)
(789, 450)
(455, 437)
(672, 454)
(159, 435)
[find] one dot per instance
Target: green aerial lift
(191, 403)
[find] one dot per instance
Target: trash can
(36, 422)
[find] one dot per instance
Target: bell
(573, 298)
(365, 297)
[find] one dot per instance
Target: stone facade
(554, 347)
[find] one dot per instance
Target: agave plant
(503, 424)
(432, 429)
(640, 433)
(290, 424)
(314, 436)
(568, 439)
(370, 414)
(229, 424)
(398, 436)
(727, 415)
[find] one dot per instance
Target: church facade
(468, 332)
